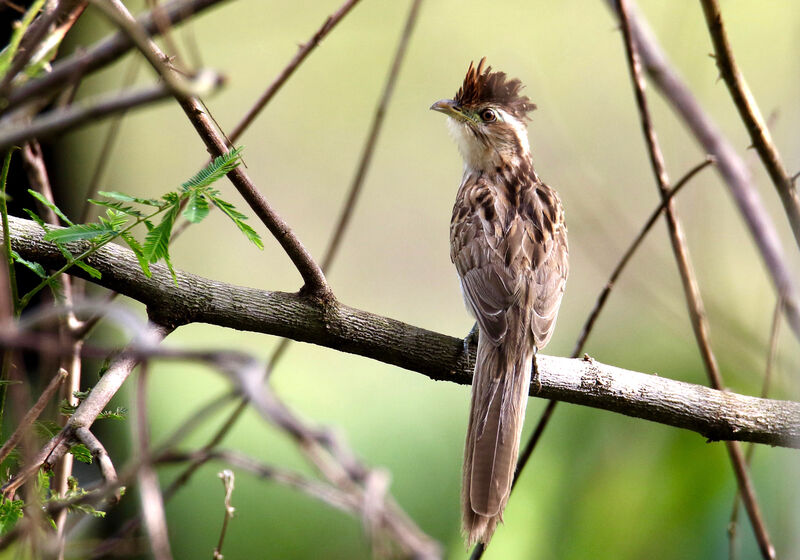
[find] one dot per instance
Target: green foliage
(10, 513)
(217, 169)
(46, 429)
(7, 55)
(65, 408)
(35, 267)
(120, 413)
(81, 453)
(194, 197)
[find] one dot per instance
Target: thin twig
(104, 463)
(155, 519)
(107, 144)
(730, 165)
(355, 187)
(33, 413)
(688, 278)
(601, 299)
(63, 13)
(90, 111)
(751, 116)
(372, 139)
(86, 413)
(771, 355)
(102, 54)
(304, 50)
(7, 251)
(116, 12)
(227, 477)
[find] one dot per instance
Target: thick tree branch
(714, 414)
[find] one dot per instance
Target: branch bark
(717, 415)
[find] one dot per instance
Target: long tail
(499, 397)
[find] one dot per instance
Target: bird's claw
(470, 339)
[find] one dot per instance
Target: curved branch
(717, 415)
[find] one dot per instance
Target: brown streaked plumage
(508, 242)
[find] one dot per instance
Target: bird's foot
(536, 383)
(470, 339)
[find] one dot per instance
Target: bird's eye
(488, 115)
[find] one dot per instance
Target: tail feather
(497, 410)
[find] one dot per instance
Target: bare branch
(152, 501)
(217, 145)
(694, 300)
(33, 413)
(715, 414)
(103, 53)
(732, 168)
(287, 72)
(100, 454)
(60, 120)
(87, 412)
(372, 139)
(748, 110)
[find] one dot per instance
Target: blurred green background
(600, 485)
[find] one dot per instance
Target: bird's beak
(448, 107)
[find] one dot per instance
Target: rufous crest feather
(482, 86)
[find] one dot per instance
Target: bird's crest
(481, 86)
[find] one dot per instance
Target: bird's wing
(477, 249)
(547, 239)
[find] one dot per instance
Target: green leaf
(79, 232)
(10, 513)
(65, 408)
(46, 429)
(238, 219)
(137, 250)
(50, 205)
(128, 198)
(218, 168)
(90, 270)
(43, 483)
(120, 413)
(20, 27)
(114, 220)
(118, 206)
(35, 217)
(196, 207)
(168, 262)
(81, 453)
(34, 266)
(156, 244)
(87, 509)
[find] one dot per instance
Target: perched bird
(508, 242)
